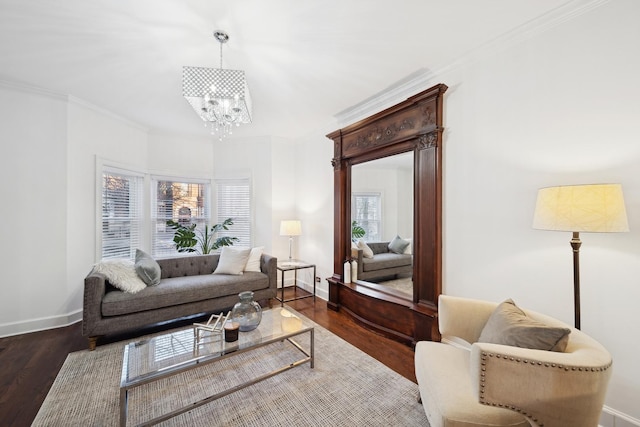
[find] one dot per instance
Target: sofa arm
(550, 388)
(463, 317)
(268, 266)
(95, 287)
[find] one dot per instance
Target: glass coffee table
(170, 354)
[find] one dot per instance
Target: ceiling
(305, 60)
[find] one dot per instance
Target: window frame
(103, 168)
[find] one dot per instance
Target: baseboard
(40, 324)
(613, 418)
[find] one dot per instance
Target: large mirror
(382, 215)
(410, 133)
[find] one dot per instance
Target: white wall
(314, 199)
(33, 211)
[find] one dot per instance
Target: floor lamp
(594, 208)
(290, 228)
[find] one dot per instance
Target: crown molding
(539, 25)
(104, 112)
(34, 90)
(395, 93)
(423, 78)
(69, 99)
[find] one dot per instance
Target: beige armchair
(463, 382)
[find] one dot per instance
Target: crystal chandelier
(220, 97)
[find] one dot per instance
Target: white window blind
(233, 200)
(366, 210)
(181, 200)
(121, 213)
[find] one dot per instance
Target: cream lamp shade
(290, 228)
(596, 208)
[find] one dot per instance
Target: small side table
(294, 265)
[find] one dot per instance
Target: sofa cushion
(182, 290)
(509, 325)
(232, 261)
(385, 260)
(147, 268)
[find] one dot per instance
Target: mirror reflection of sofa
(384, 263)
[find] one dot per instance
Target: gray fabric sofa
(384, 263)
(187, 287)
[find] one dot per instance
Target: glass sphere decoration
(247, 312)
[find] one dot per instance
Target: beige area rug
(346, 388)
(404, 285)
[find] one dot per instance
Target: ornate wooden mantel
(414, 125)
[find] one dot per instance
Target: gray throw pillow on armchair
(147, 268)
(509, 325)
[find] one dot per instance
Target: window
(233, 200)
(366, 210)
(121, 213)
(179, 200)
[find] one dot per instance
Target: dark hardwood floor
(30, 362)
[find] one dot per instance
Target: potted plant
(188, 239)
(357, 231)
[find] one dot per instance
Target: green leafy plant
(357, 231)
(188, 239)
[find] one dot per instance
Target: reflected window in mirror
(366, 211)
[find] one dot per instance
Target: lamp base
(575, 244)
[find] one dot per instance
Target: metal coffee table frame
(198, 361)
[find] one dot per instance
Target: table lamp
(593, 208)
(290, 228)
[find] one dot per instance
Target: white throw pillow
(232, 261)
(121, 273)
(367, 252)
(253, 264)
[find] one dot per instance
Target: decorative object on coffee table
(247, 313)
(231, 330)
(215, 328)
